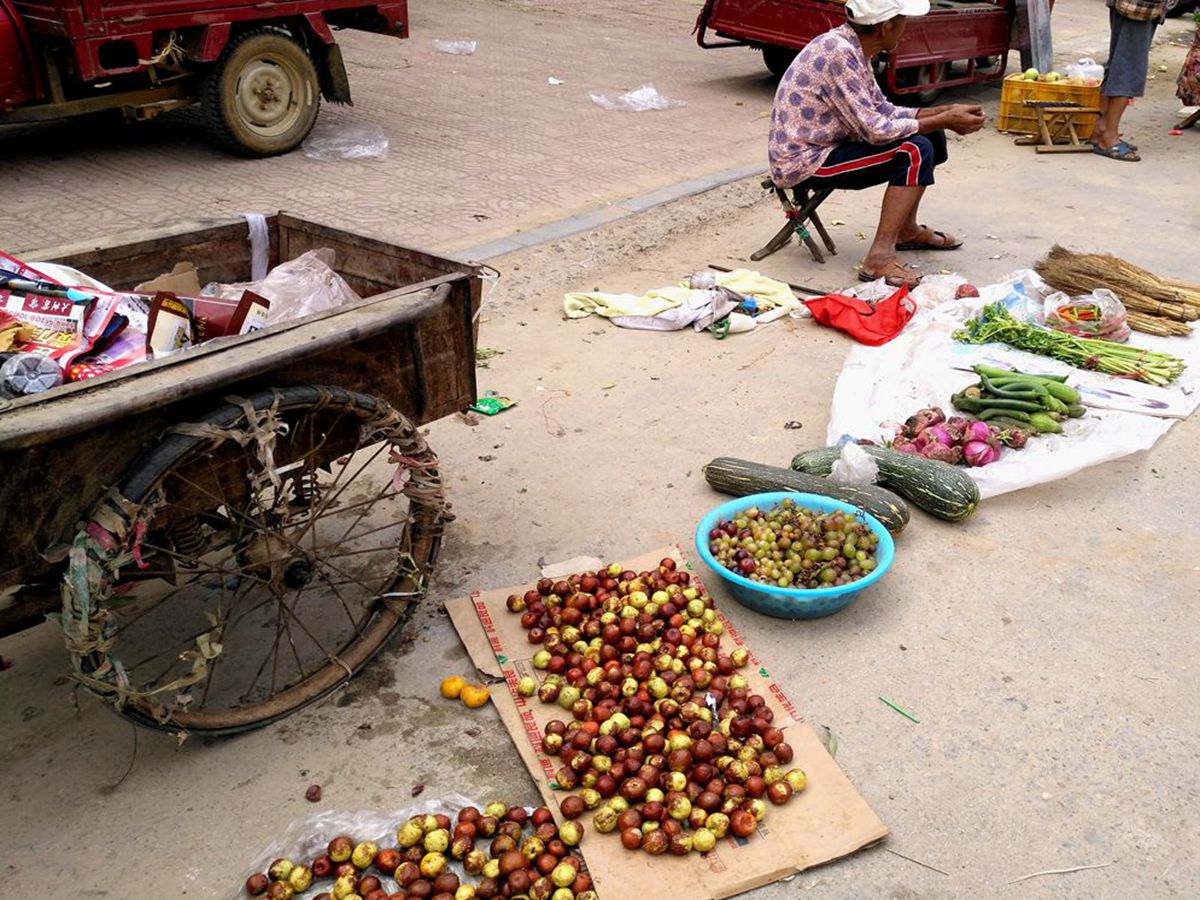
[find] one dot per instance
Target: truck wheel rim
(267, 98)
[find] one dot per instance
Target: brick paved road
(481, 146)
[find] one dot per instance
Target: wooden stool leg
(820, 226)
(1189, 121)
(813, 248)
(776, 243)
(802, 205)
(800, 208)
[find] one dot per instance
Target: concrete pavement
(1048, 645)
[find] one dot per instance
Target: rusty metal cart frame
(91, 473)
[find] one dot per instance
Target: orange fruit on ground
(452, 687)
(474, 695)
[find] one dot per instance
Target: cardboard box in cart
(827, 820)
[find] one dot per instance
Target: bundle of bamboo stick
(1154, 305)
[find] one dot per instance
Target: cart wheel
(777, 59)
(262, 97)
(920, 75)
(256, 560)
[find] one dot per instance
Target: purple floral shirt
(827, 97)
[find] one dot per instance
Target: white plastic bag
(300, 287)
(1099, 314)
(456, 48)
(854, 466)
(307, 838)
(1088, 69)
(644, 99)
(329, 140)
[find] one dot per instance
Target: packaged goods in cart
(125, 350)
(220, 316)
(13, 331)
(56, 323)
(171, 328)
(29, 373)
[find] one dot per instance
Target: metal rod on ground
(795, 287)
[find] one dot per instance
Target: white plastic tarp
(879, 387)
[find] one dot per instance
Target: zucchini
(738, 477)
(1045, 424)
(942, 490)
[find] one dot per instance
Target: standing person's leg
(1124, 78)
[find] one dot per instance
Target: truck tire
(921, 75)
(261, 98)
(777, 59)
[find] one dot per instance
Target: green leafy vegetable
(996, 323)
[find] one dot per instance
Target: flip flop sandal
(923, 245)
(1119, 151)
(896, 281)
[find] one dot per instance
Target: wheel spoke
(287, 627)
(358, 537)
(360, 516)
(313, 519)
(234, 534)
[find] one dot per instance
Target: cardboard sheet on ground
(828, 820)
(881, 386)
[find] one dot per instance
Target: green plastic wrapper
(491, 406)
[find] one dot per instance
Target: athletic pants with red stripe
(906, 163)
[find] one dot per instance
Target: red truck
(970, 34)
(256, 69)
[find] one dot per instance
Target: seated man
(832, 127)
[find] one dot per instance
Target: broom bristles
(1140, 290)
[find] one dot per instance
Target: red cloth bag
(870, 324)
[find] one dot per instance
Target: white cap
(872, 12)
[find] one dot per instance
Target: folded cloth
(700, 310)
(578, 305)
(767, 293)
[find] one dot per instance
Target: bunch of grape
(793, 547)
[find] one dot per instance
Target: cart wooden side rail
(276, 481)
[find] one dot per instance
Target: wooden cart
(228, 534)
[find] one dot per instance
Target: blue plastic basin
(793, 603)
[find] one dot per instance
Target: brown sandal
(897, 275)
(946, 242)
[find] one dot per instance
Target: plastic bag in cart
(299, 287)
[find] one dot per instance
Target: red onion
(942, 453)
(977, 431)
(919, 421)
(1015, 438)
(979, 453)
(939, 434)
(900, 445)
